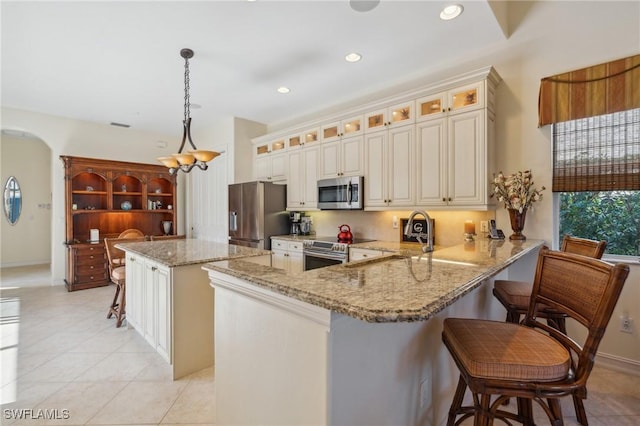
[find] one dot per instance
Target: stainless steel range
(326, 251)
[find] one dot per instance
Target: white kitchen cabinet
(389, 117)
(356, 253)
(303, 177)
(287, 255)
(271, 167)
(342, 157)
(299, 140)
(172, 308)
(390, 169)
(461, 99)
(453, 154)
(337, 130)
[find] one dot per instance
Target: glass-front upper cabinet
(269, 147)
(464, 98)
(342, 129)
(396, 115)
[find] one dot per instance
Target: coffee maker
(295, 218)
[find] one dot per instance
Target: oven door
(314, 259)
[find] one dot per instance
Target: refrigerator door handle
(233, 221)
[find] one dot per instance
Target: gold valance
(600, 89)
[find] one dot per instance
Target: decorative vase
(126, 205)
(517, 223)
(166, 227)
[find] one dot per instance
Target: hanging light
(186, 161)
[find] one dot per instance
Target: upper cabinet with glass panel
(12, 200)
(464, 98)
(393, 116)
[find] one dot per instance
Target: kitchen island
(352, 344)
(169, 300)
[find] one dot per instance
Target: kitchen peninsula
(169, 301)
(351, 344)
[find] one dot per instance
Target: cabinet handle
(153, 268)
(91, 257)
(444, 199)
(91, 267)
(450, 199)
(444, 110)
(133, 259)
(365, 255)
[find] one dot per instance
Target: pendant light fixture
(186, 161)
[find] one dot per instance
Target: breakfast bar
(351, 344)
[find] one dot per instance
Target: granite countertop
(189, 251)
(399, 286)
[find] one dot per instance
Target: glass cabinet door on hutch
(110, 196)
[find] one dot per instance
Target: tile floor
(59, 354)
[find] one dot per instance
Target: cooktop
(334, 239)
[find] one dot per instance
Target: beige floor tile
(64, 368)
(195, 405)
(140, 402)
(117, 367)
(80, 400)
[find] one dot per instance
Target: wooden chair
(131, 233)
(500, 360)
(117, 274)
(514, 295)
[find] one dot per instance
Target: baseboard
(27, 263)
(618, 363)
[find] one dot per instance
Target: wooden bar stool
(117, 274)
(514, 295)
(532, 361)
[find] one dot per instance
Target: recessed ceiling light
(283, 89)
(363, 5)
(353, 57)
(451, 12)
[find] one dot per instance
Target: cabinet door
(352, 156)
(295, 186)
(279, 259)
(467, 159)
(401, 166)
(302, 184)
(330, 159)
(430, 107)
(401, 114)
(375, 184)
(263, 167)
(162, 287)
(467, 98)
(295, 262)
(278, 167)
(310, 177)
(135, 291)
(432, 166)
(149, 311)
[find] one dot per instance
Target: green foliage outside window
(613, 216)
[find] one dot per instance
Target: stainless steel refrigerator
(257, 211)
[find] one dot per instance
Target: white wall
(64, 136)
(28, 241)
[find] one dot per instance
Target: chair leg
(483, 415)
(121, 311)
(114, 304)
(456, 404)
(581, 415)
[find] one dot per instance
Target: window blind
(600, 153)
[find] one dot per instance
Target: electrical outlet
(484, 226)
(626, 324)
(394, 222)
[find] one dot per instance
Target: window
(596, 170)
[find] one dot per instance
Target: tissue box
(94, 235)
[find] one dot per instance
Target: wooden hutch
(110, 196)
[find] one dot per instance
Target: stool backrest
(131, 233)
(583, 246)
(584, 288)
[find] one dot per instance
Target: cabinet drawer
(97, 259)
(279, 244)
(90, 269)
(97, 276)
(89, 250)
(295, 246)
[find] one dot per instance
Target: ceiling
(119, 61)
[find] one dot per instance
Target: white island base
(282, 361)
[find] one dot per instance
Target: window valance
(600, 89)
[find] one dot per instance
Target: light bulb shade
(204, 156)
(184, 159)
(169, 162)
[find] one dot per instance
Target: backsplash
(449, 225)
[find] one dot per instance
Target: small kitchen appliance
(345, 235)
(294, 220)
(343, 193)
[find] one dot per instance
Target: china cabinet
(110, 196)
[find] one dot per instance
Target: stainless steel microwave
(343, 193)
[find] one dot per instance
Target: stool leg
(581, 416)
(114, 304)
(457, 401)
(121, 312)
